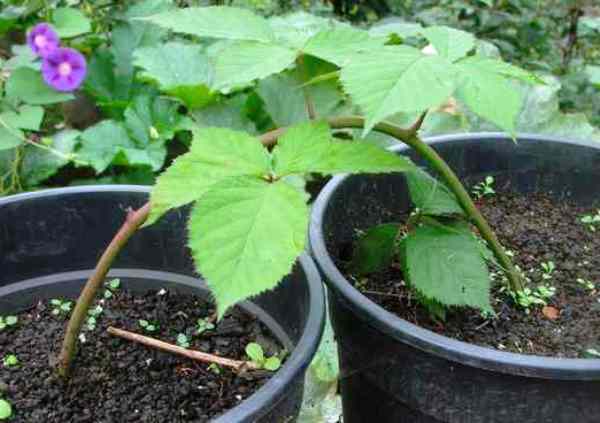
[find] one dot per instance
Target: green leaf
(10, 137)
(215, 154)
(231, 235)
(284, 98)
(242, 62)
(228, 113)
(255, 352)
(397, 79)
(216, 22)
(445, 264)
(152, 120)
(38, 165)
(174, 65)
(294, 29)
(5, 410)
(11, 320)
(27, 117)
(126, 38)
(449, 42)
(70, 22)
(27, 85)
(109, 143)
(374, 250)
(309, 147)
(340, 45)
(272, 364)
(483, 85)
(395, 27)
(430, 195)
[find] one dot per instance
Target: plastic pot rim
(265, 398)
(423, 339)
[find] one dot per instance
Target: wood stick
(236, 365)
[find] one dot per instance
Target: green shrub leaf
(374, 250)
(397, 79)
(27, 117)
(449, 42)
(430, 195)
(242, 62)
(445, 264)
(26, 85)
(309, 147)
(215, 154)
(485, 87)
(174, 65)
(216, 22)
(342, 44)
(245, 234)
(70, 22)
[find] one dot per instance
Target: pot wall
(393, 371)
(50, 241)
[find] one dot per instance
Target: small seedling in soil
(548, 269)
(93, 315)
(591, 353)
(257, 356)
(5, 409)
(183, 340)
(484, 188)
(112, 286)
(203, 325)
(214, 367)
(147, 326)
(10, 360)
(587, 284)
(528, 297)
(591, 220)
(60, 306)
(7, 321)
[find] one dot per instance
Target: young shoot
(484, 188)
(5, 409)
(203, 325)
(256, 354)
(7, 321)
(215, 368)
(591, 220)
(527, 298)
(93, 316)
(111, 287)
(183, 340)
(60, 306)
(147, 326)
(10, 360)
(548, 269)
(586, 283)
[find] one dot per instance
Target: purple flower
(64, 69)
(43, 40)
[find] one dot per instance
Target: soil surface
(115, 380)
(536, 228)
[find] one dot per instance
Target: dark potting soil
(115, 380)
(537, 229)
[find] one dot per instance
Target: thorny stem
(236, 365)
(133, 221)
(408, 136)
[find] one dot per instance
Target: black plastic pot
(50, 241)
(394, 371)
